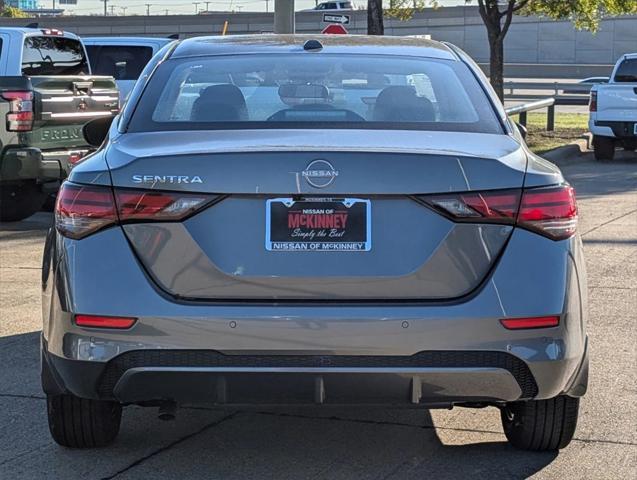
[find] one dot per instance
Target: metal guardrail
(522, 110)
(557, 88)
(563, 93)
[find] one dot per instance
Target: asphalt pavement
(344, 443)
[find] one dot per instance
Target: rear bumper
(437, 353)
(27, 163)
(430, 378)
(624, 130)
(60, 160)
(439, 378)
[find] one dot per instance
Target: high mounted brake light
(81, 210)
(51, 31)
(549, 211)
(20, 114)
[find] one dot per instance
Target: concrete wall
(557, 46)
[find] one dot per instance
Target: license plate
(318, 224)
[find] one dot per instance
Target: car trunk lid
(405, 251)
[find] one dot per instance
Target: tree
(6, 11)
(497, 16)
(375, 24)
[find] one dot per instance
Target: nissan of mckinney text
(313, 220)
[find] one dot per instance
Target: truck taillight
(20, 115)
(592, 103)
(549, 211)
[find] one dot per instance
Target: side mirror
(96, 130)
(522, 129)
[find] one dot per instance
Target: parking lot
(352, 443)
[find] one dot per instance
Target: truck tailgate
(63, 104)
(617, 102)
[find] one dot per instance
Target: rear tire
(604, 148)
(82, 423)
(540, 425)
(20, 200)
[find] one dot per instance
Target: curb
(566, 154)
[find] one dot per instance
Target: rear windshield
(123, 62)
(53, 56)
(627, 71)
(314, 91)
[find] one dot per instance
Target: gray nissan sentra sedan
(319, 220)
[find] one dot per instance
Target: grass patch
(568, 128)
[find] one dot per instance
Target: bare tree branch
(520, 5)
(509, 17)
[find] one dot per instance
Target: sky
(88, 7)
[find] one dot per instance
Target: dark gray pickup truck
(47, 94)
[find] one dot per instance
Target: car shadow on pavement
(206, 442)
(592, 178)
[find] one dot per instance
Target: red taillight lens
(136, 205)
(74, 158)
(592, 103)
(550, 211)
(499, 206)
(81, 210)
(530, 322)
(20, 115)
(84, 209)
(97, 321)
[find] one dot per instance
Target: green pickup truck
(47, 94)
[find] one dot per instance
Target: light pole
(105, 7)
(123, 10)
(196, 4)
(283, 16)
(207, 8)
(148, 5)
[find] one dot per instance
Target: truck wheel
(82, 423)
(604, 148)
(540, 425)
(20, 200)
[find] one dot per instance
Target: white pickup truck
(613, 110)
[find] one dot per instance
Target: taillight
(530, 322)
(550, 211)
(20, 115)
(136, 205)
(498, 206)
(81, 210)
(74, 158)
(592, 103)
(98, 321)
(84, 209)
